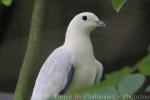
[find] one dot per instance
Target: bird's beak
(99, 23)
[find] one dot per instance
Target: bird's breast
(84, 75)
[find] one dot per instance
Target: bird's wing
(99, 72)
(54, 75)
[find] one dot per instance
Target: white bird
(73, 65)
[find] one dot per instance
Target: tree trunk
(33, 53)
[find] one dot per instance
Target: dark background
(123, 42)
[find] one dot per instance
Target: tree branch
(33, 54)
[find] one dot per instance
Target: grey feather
(53, 75)
(99, 73)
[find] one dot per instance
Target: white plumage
(76, 53)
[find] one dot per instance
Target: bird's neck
(76, 33)
(79, 43)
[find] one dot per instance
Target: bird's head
(85, 22)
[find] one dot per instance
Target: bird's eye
(84, 18)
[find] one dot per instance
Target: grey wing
(69, 78)
(99, 72)
(53, 76)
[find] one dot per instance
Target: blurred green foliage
(144, 65)
(118, 4)
(6, 2)
(128, 85)
(131, 83)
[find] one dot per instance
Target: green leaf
(147, 89)
(121, 91)
(118, 4)
(130, 84)
(144, 65)
(115, 77)
(6, 2)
